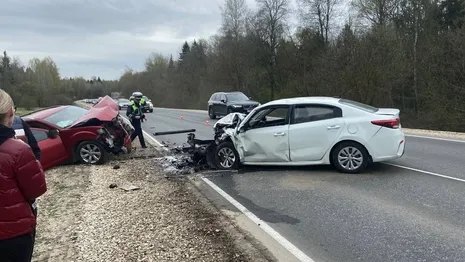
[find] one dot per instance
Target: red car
(71, 133)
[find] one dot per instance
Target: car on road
(123, 103)
(70, 133)
(149, 106)
(224, 103)
(312, 131)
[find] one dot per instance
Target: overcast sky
(102, 37)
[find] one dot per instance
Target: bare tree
(272, 15)
(234, 14)
(377, 12)
(318, 14)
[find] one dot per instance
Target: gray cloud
(99, 37)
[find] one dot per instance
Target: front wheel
(91, 152)
(211, 114)
(350, 157)
(226, 156)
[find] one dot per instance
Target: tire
(93, 146)
(211, 114)
(354, 150)
(228, 149)
(151, 111)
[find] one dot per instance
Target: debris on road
(198, 154)
(82, 219)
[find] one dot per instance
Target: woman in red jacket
(21, 180)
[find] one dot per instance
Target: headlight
(101, 131)
(236, 106)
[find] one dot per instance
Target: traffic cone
(182, 118)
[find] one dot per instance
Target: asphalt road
(385, 214)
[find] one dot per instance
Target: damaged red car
(69, 133)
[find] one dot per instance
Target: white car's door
(266, 137)
(313, 130)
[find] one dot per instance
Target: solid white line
(437, 138)
(280, 239)
(275, 235)
(426, 172)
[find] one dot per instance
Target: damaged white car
(310, 131)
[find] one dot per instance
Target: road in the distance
(386, 214)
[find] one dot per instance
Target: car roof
(232, 92)
(304, 100)
(43, 113)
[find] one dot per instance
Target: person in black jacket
(136, 116)
(22, 129)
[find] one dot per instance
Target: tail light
(390, 123)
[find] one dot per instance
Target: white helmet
(137, 94)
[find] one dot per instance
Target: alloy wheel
(227, 158)
(90, 153)
(350, 158)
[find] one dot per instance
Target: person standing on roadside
(136, 116)
(22, 179)
(23, 131)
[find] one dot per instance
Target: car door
(265, 137)
(53, 151)
(313, 130)
(223, 105)
(215, 101)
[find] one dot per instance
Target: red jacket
(21, 180)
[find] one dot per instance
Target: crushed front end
(116, 135)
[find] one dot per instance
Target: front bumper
(242, 109)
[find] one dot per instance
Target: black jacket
(18, 123)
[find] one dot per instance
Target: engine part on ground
(174, 132)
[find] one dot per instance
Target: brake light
(390, 123)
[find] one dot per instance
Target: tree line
(407, 54)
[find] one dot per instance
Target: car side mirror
(250, 97)
(223, 100)
(53, 133)
(242, 129)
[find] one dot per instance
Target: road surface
(386, 214)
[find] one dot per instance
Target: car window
(358, 105)
(124, 100)
(223, 97)
(269, 117)
(66, 117)
(237, 97)
(310, 113)
(39, 135)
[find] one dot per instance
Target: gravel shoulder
(434, 133)
(82, 219)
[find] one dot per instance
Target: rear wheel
(91, 152)
(211, 114)
(350, 157)
(226, 156)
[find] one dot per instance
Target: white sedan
(312, 131)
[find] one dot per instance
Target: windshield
(124, 100)
(66, 117)
(236, 97)
(358, 105)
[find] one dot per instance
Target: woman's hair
(6, 103)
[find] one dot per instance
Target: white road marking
(426, 172)
(437, 138)
(275, 235)
(269, 230)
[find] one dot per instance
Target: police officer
(137, 116)
(22, 129)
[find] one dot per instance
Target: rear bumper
(387, 146)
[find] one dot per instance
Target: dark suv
(224, 103)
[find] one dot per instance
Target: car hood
(243, 103)
(106, 110)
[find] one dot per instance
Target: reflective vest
(19, 129)
(136, 108)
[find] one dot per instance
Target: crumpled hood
(229, 120)
(106, 110)
(6, 133)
